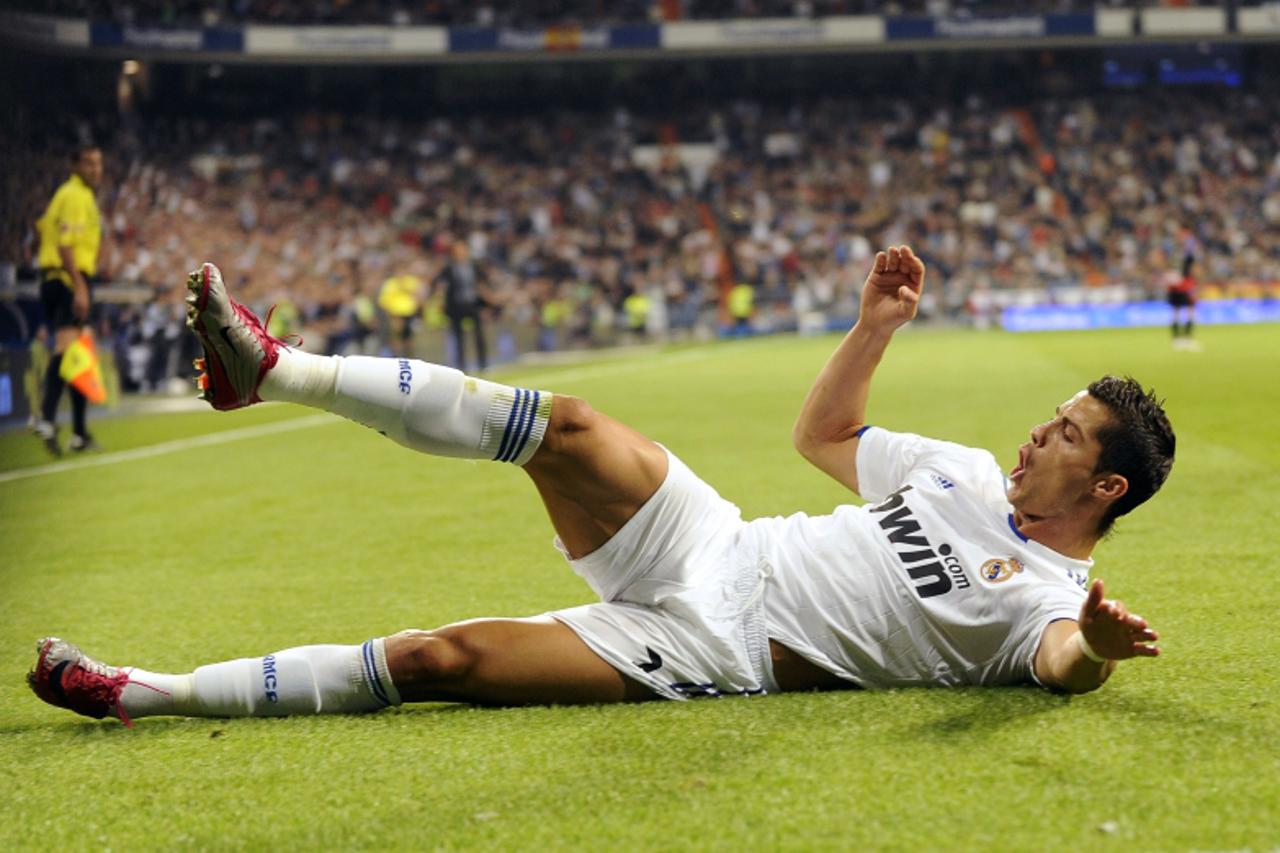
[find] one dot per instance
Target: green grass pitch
(326, 533)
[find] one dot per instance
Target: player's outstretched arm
(1107, 630)
(826, 431)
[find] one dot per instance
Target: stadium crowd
(570, 222)
(532, 13)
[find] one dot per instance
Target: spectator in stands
(1082, 192)
(527, 13)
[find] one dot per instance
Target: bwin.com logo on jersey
(1000, 569)
(942, 482)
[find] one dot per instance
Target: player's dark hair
(80, 150)
(1137, 443)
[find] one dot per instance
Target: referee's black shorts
(1181, 299)
(56, 298)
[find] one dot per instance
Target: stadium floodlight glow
(131, 67)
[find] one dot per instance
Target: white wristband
(1087, 650)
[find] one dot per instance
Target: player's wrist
(1087, 650)
(879, 333)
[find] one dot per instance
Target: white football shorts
(680, 607)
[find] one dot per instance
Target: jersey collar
(1077, 569)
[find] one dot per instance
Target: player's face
(89, 167)
(1055, 468)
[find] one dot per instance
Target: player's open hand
(1112, 631)
(891, 295)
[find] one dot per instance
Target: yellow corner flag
(81, 370)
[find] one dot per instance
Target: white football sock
(426, 407)
(301, 377)
(152, 693)
(304, 680)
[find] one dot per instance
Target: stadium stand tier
(538, 12)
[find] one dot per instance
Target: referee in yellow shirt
(70, 236)
(398, 300)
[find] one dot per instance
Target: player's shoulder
(902, 457)
(968, 470)
(951, 455)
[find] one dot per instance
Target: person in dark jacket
(466, 288)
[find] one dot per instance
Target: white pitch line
(228, 436)
(175, 446)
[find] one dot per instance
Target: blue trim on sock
(376, 680)
(533, 416)
(525, 407)
(506, 432)
(519, 427)
(364, 666)
(371, 673)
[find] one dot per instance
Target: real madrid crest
(1000, 569)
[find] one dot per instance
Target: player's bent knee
(422, 658)
(572, 414)
(570, 417)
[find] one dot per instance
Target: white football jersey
(928, 583)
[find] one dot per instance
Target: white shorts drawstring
(764, 571)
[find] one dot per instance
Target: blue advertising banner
(1003, 27)
(635, 36)
(467, 39)
(167, 38)
(224, 40)
(1057, 318)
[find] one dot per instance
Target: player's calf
(427, 407)
(322, 679)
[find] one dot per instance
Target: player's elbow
(1076, 688)
(1078, 683)
(808, 435)
(803, 440)
(814, 443)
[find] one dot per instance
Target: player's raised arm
(1080, 656)
(826, 433)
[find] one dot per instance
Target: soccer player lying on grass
(953, 574)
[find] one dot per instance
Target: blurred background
(632, 172)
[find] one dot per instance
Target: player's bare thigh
(537, 661)
(532, 661)
(794, 672)
(593, 472)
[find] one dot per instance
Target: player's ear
(1110, 487)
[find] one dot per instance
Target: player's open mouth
(1016, 473)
